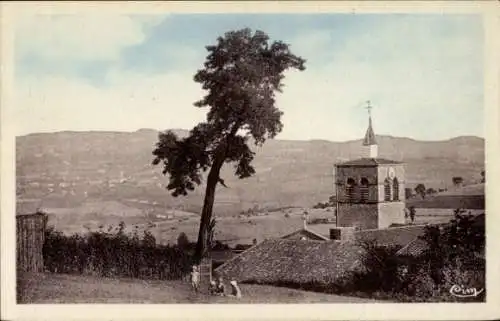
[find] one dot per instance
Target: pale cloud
(414, 76)
(129, 102)
(425, 83)
(80, 37)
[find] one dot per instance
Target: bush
(114, 254)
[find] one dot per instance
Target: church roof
(370, 135)
(369, 162)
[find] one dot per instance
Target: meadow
(47, 288)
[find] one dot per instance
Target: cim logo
(463, 292)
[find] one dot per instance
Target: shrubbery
(117, 254)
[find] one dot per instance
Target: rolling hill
(67, 169)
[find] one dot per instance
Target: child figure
(219, 287)
(195, 278)
(212, 287)
(235, 289)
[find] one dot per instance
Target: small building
(30, 237)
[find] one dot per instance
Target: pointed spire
(370, 134)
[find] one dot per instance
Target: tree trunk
(208, 203)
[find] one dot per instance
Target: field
(85, 180)
(57, 288)
(236, 229)
(69, 169)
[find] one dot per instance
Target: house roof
(414, 248)
(370, 135)
(310, 260)
(394, 236)
(293, 260)
(309, 233)
(467, 190)
(369, 162)
(417, 246)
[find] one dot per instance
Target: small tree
(430, 191)
(413, 212)
(182, 240)
(241, 74)
(457, 180)
(483, 176)
(420, 190)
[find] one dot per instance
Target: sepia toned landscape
(89, 179)
(246, 158)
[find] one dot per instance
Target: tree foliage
(430, 191)
(457, 180)
(420, 190)
(241, 75)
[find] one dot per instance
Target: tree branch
(221, 181)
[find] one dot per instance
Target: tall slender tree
(242, 73)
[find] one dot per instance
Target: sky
(422, 73)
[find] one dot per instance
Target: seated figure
(217, 287)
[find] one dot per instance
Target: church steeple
(370, 142)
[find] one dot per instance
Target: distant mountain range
(64, 169)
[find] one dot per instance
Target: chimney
(342, 233)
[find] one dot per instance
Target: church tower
(370, 190)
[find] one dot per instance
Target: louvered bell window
(350, 189)
(387, 190)
(364, 189)
(395, 189)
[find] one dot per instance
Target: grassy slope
(58, 288)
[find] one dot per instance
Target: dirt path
(59, 288)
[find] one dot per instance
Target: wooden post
(30, 234)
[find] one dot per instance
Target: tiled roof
(418, 245)
(414, 248)
(467, 190)
(310, 260)
(369, 162)
(394, 236)
(294, 260)
(307, 232)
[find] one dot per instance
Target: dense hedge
(115, 253)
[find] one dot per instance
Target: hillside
(66, 169)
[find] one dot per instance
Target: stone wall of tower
(382, 174)
(391, 213)
(369, 151)
(360, 216)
